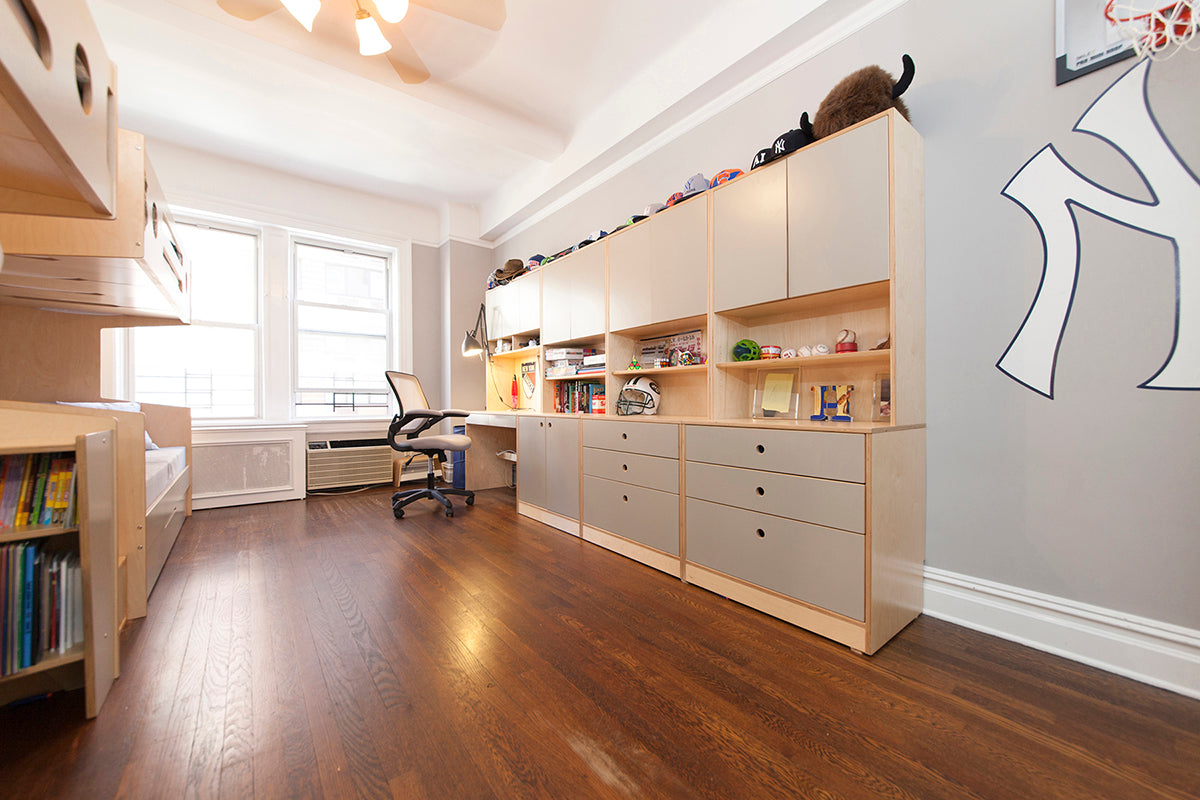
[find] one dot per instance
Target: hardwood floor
(322, 648)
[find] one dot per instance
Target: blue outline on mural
(1048, 189)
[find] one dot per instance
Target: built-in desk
(491, 432)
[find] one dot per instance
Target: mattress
(162, 467)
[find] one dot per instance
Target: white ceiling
(505, 117)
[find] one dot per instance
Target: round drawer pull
(761, 533)
(761, 449)
(624, 435)
(625, 468)
(760, 491)
(625, 497)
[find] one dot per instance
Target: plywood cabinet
(573, 296)
(548, 470)
(514, 308)
(91, 441)
(837, 211)
(750, 239)
(658, 269)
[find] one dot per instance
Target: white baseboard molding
(1153, 652)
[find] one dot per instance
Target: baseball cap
(724, 176)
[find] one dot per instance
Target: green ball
(747, 350)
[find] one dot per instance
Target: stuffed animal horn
(861, 95)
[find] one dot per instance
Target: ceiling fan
(337, 20)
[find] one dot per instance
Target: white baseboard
(1153, 652)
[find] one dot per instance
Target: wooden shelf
(524, 351)
(33, 532)
(591, 376)
(835, 301)
(833, 359)
(661, 370)
(51, 661)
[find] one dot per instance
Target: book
(593, 360)
(21, 512)
(27, 606)
(39, 489)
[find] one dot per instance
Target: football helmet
(640, 395)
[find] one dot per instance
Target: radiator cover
(338, 463)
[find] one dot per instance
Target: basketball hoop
(1157, 31)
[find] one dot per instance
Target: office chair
(415, 416)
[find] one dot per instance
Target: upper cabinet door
(556, 300)
(838, 220)
(587, 291)
(529, 303)
(629, 270)
(497, 303)
(750, 239)
(679, 261)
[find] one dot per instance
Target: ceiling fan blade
(404, 58)
(488, 14)
(249, 10)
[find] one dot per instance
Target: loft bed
(58, 112)
(154, 495)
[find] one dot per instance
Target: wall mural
(1048, 189)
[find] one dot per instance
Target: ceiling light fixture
(370, 38)
(392, 10)
(305, 11)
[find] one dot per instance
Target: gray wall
(464, 271)
(1090, 496)
(428, 358)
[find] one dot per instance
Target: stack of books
(563, 362)
(591, 365)
(41, 604)
(37, 489)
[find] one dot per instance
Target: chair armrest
(424, 412)
(454, 412)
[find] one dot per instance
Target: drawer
(647, 438)
(821, 566)
(652, 472)
(643, 515)
(840, 456)
(835, 504)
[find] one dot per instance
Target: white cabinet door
(750, 239)
(529, 303)
(497, 304)
(629, 268)
(556, 301)
(587, 291)
(678, 276)
(838, 222)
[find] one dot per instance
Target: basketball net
(1156, 31)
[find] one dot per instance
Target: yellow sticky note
(777, 392)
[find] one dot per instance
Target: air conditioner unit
(337, 463)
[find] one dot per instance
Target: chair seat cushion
(456, 442)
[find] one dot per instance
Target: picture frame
(777, 394)
(881, 399)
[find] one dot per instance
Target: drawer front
(651, 472)
(646, 438)
(834, 504)
(643, 515)
(840, 456)
(818, 565)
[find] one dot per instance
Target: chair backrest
(409, 396)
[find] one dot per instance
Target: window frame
(200, 220)
(390, 256)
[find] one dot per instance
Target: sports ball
(746, 350)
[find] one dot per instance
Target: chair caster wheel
(398, 513)
(449, 512)
(470, 501)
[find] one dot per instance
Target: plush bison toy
(861, 95)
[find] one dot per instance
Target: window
(211, 365)
(342, 331)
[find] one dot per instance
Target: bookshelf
(90, 543)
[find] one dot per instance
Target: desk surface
(492, 419)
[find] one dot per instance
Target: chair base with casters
(429, 492)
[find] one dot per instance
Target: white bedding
(162, 466)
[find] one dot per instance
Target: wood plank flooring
(322, 648)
